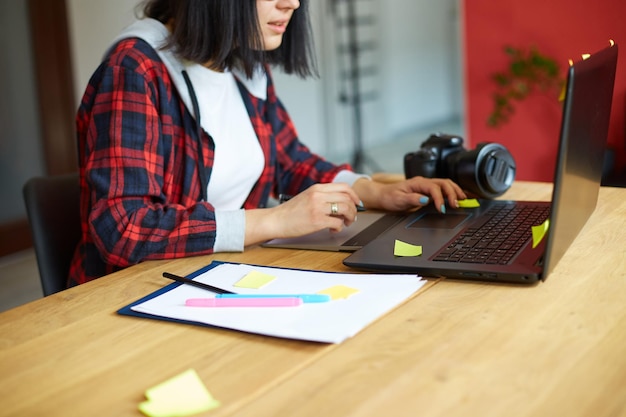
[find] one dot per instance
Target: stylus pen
(306, 298)
(196, 283)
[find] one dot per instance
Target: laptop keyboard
(499, 239)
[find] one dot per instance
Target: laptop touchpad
(439, 221)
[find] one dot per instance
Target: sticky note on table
(401, 248)
(182, 395)
(469, 203)
(539, 232)
(254, 280)
(339, 292)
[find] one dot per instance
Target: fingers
(436, 190)
(321, 206)
(442, 189)
(340, 190)
(346, 211)
(337, 203)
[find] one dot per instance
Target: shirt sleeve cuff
(231, 227)
(349, 177)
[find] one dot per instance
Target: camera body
(486, 171)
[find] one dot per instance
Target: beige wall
(93, 23)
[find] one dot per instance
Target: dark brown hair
(226, 34)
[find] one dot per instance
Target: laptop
(455, 245)
(369, 226)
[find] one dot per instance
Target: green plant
(527, 71)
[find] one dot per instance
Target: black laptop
(494, 242)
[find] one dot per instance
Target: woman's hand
(321, 206)
(333, 206)
(409, 193)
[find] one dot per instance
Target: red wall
(562, 29)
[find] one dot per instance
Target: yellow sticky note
(254, 280)
(563, 93)
(339, 291)
(469, 203)
(406, 249)
(182, 395)
(539, 232)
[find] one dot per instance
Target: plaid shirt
(138, 158)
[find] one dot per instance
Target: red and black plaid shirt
(140, 185)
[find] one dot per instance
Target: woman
(182, 140)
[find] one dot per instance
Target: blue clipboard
(128, 311)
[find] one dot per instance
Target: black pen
(196, 283)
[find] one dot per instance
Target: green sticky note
(182, 395)
(469, 203)
(406, 249)
(339, 292)
(539, 232)
(254, 280)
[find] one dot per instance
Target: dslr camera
(486, 171)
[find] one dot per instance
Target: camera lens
(496, 170)
(487, 171)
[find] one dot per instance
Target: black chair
(52, 206)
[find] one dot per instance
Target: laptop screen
(584, 130)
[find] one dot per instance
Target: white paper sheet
(328, 322)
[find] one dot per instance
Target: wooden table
(454, 349)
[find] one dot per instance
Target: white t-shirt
(224, 116)
(239, 159)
